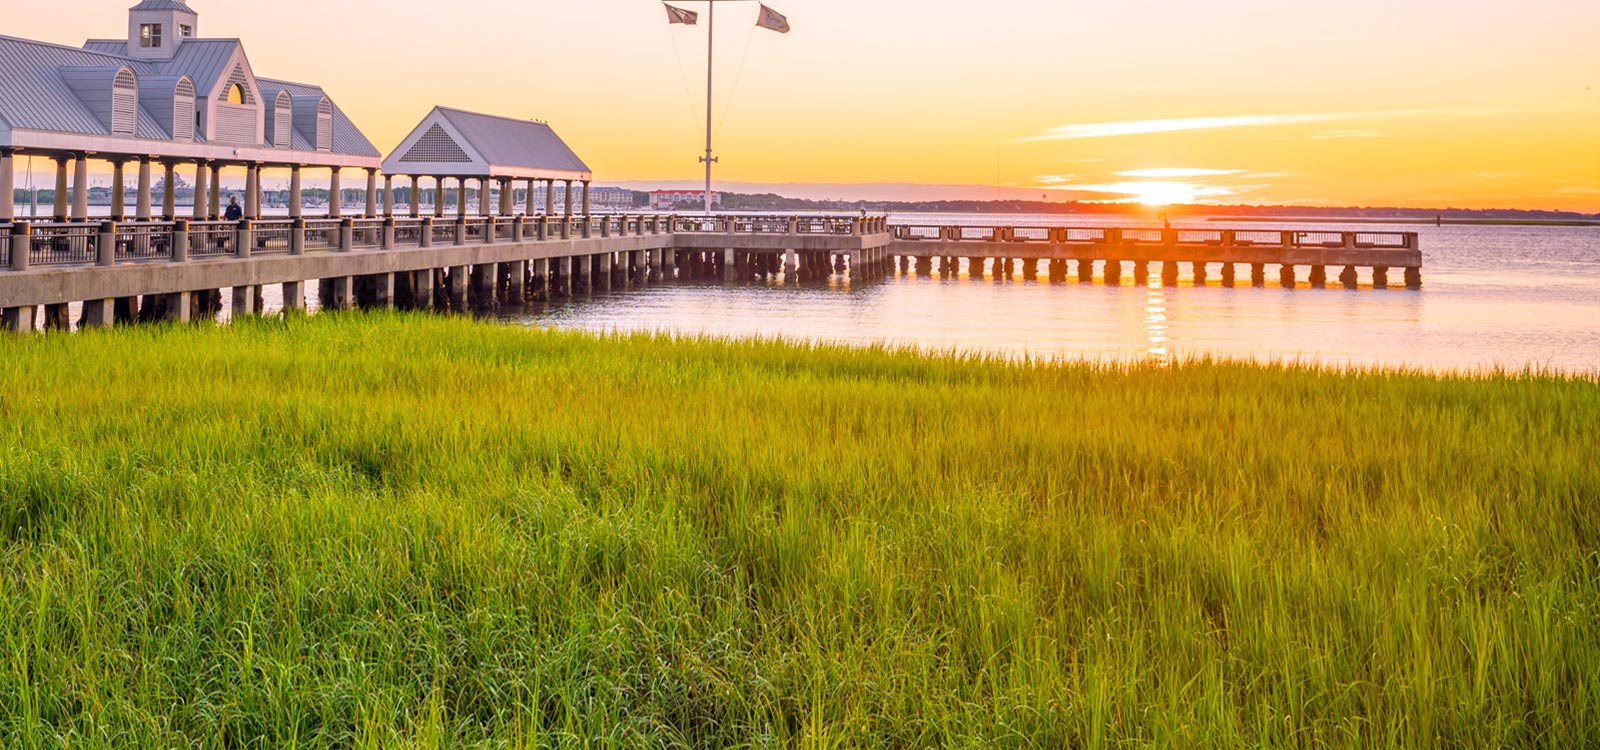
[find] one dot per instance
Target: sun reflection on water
(1155, 325)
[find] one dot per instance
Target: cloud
(1334, 135)
(1178, 172)
(1179, 124)
(1175, 192)
(1143, 127)
(1580, 190)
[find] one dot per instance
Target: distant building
(600, 198)
(666, 200)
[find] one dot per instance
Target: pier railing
(1265, 238)
(58, 244)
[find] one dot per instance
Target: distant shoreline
(1479, 222)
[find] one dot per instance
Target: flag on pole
(679, 15)
(771, 19)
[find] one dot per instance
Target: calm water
(1492, 297)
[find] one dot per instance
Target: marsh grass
(388, 531)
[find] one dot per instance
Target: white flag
(679, 15)
(771, 19)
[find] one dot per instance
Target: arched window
(236, 94)
(325, 125)
(185, 118)
(124, 102)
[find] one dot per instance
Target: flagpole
(711, 35)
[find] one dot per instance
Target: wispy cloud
(1165, 172)
(1335, 135)
(1142, 127)
(1180, 124)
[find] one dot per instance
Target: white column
(80, 189)
(530, 209)
(388, 195)
(252, 191)
(508, 198)
(61, 188)
(549, 197)
(485, 206)
(334, 209)
(461, 197)
(142, 198)
(215, 211)
(416, 197)
(169, 191)
(585, 197)
(8, 189)
(568, 209)
(201, 193)
(119, 208)
(372, 193)
(438, 197)
(294, 192)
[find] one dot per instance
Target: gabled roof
(203, 60)
(163, 5)
(34, 96)
(347, 138)
(506, 142)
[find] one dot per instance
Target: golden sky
(1462, 103)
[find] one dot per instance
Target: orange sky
(1401, 102)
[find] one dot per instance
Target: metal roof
(203, 60)
(163, 5)
(34, 96)
(347, 138)
(506, 142)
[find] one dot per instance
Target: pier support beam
(517, 288)
(458, 287)
(1380, 277)
(1348, 277)
(1319, 277)
(602, 271)
(383, 285)
(1286, 276)
(1258, 274)
(541, 270)
(1141, 272)
(245, 302)
(178, 307)
(294, 296)
(1169, 273)
(485, 283)
(99, 313)
(20, 319)
(1199, 270)
(1228, 274)
(1413, 277)
(1113, 273)
(1085, 272)
(337, 293)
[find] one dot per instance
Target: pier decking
(176, 270)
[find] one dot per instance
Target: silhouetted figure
(234, 213)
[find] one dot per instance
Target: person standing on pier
(234, 213)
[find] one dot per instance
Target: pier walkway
(177, 270)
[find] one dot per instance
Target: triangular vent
(436, 146)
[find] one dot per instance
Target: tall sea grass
(376, 531)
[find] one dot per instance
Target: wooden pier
(1051, 250)
(178, 270)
